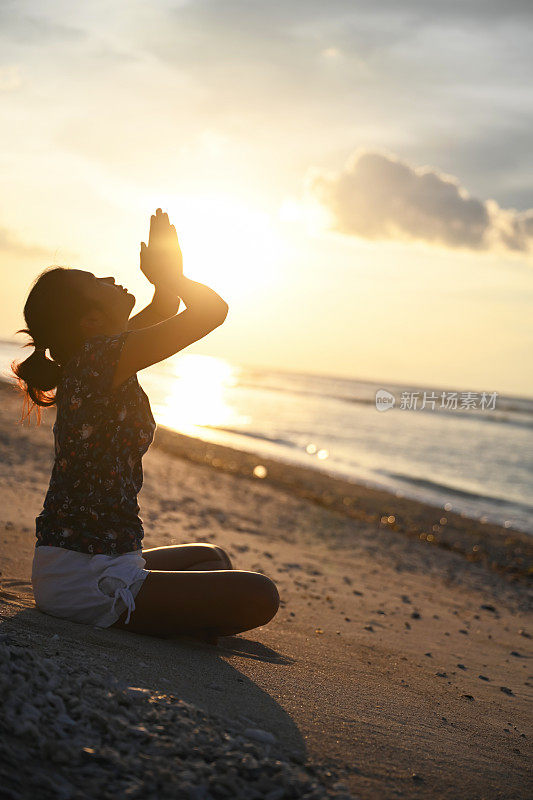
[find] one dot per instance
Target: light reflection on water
(192, 392)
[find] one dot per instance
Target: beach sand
(399, 661)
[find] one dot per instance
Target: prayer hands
(162, 261)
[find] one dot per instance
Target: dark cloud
(228, 31)
(493, 160)
(22, 28)
(256, 13)
(415, 77)
(377, 196)
(440, 83)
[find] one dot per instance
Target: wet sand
(400, 659)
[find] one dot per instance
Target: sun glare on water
(196, 394)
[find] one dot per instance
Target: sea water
(475, 458)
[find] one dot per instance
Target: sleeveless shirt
(100, 437)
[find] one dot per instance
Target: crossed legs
(193, 589)
(187, 556)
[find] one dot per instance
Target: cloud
(257, 63)
(377, 196)
(10, 245)
(35, 29)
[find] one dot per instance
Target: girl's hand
(161, 261)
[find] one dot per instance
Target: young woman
(89, 565)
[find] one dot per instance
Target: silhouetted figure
(89, 565)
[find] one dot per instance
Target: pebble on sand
(87, 734)
(259, 735)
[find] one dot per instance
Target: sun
(232, 248)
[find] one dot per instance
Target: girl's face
(113, 300)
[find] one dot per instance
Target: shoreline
(504, 550)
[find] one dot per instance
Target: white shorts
(94, 590)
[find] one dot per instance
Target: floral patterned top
(100, 437)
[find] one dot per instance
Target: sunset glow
(351, 230)
(229, 246)
(266, 483)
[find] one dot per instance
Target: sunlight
(197, 395)
(306, 212)
(231, 247)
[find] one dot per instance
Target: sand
(400, 658)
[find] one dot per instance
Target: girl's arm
(205, 311)
(164, 304)
(149, 342)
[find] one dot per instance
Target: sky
(355, 178)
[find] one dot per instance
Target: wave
(422, 483)
(508, 420)
(503, 416)
(253, 435)
(306, 392)
(442, 488)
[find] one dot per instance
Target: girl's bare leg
(216, 603)
(179, 557)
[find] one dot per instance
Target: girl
(89, 565)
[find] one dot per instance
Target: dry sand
(402, 664)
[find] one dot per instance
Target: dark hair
(52, 312)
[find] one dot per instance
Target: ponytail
(38, 376)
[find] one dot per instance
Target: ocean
(463, 451)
